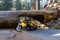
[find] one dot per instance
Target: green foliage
(6, 5)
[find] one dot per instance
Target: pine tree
(6, 5)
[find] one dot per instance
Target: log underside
(8, 24)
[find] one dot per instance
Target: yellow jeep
(28, 26)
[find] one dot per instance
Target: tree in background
(34, 7)
(6, 5)
(18, 5)
(38, 4)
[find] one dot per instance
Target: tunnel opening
(28, 20)
(40, 18)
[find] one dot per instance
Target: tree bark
(34, 5)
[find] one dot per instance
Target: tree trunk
(38, 4)
(34, 5)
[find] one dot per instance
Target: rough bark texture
(8, 24)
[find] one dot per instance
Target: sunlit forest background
(23, 4)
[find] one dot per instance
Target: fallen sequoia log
(9, 19)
